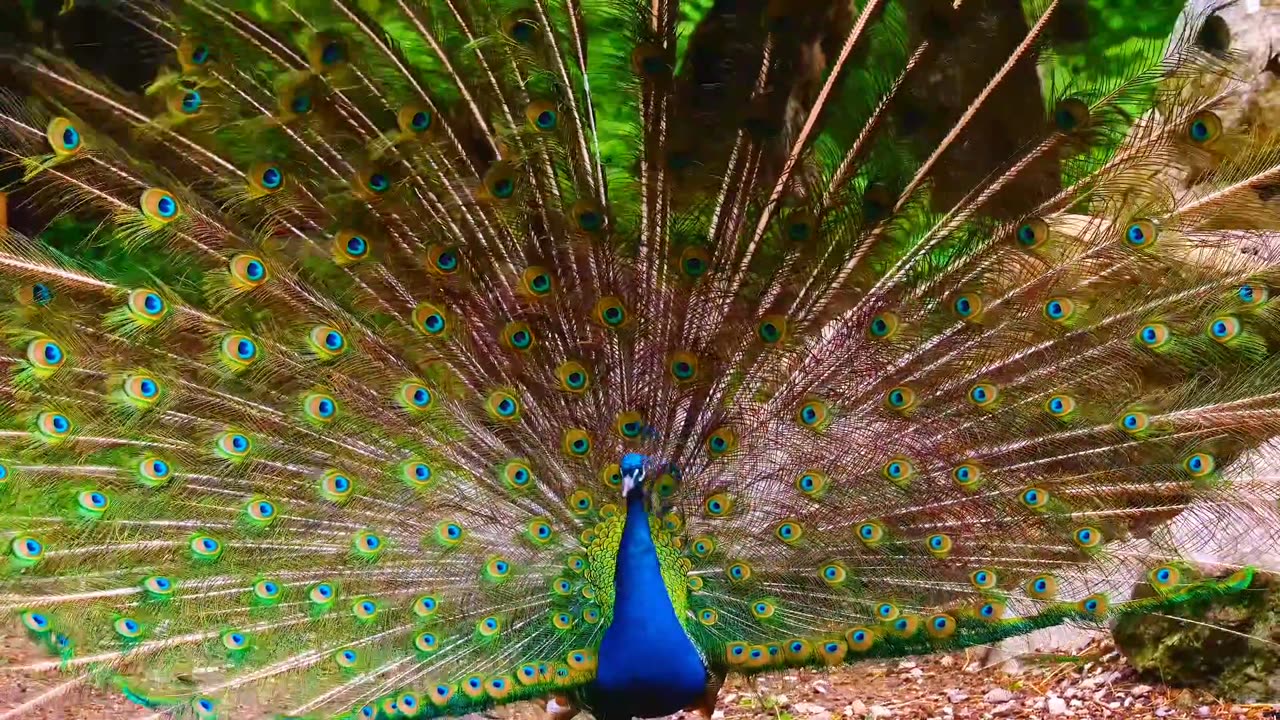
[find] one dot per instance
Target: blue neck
(648, 666)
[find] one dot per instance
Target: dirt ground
(1095, 683)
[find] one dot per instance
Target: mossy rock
(1229, 645)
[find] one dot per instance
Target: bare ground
(1094, 683)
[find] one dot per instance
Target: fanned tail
(327, 411)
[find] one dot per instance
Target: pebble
(857, 709)
(1140, 690)
(997, 695)
(1057, 706)
(1005, 709)
(880, 711)
(1203, 711)
(956, 696)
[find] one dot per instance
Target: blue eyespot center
(166, 206)
(254, 270)
(272, 178)
(191, 101)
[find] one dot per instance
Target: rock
(1008, 708)
(808, 708)
(997, 695)
(956, 696)
(880, 711)
(857, 709)
(1140, 690)
(1057, 706)
(1203, 711)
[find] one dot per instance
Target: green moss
(1230, 646)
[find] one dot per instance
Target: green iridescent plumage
(327, 409)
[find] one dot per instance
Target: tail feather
(327, 412)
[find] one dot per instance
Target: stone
(1056, 706)
(998, 695)
(957, 696)
(880, 711)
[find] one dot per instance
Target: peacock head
(632, 467)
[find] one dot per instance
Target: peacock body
(397, 378)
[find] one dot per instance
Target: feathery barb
(326, 415)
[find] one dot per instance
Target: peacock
(406, 358)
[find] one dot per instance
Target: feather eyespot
(941, 626)
(45, 356)
(883, 326)
(968, 306)
(629, 425)
(517, 475)
(266, 178)
(1060, 406)
(194, 55)
(63, 137)
(983, 394)
(430, 320)
(449, 533)
(1154, 335)
(682, 366)
(939, 545)
(320, 407)
(833, 574)
(417, 474)
(1140, 233)
(542, 115)
(1253, 295)
(581, 503)
(518, 336)
(415, 120)
(54, 426)
(1059, 309)
(158, 587)
(426, 606)
(788, 531)
(694, 262)
(267, 591)
(521, 27)
(327, 52)
(1095, 606)
(1032, 234)
(246, 271)
(442, 260)
(704, 545)
(1087, 537)
(772, 329)
(146, 307)
(1134, 422)
(870, 533)
(1204, 128)
(718, 505)
(536, 281)
(414, 397)
(153, 472)
(127, 628)
(899, 471)
(26, 550)
(235, 640)
(365, 609)
(350, 246)
(159, 206)
(260, 512)
(721, 442)
(368, 545)
(860, 639)
(502, 406)
(901, 399)
(327, 342)
(336, 486)
(1071, 115)
(204, 548)
(983, 579)
(1034, 498)
(238, 351)
(500, 181)
(232, 445)
(610, 312)
(1042, 587)
(1199, 465)
(1224, 329)
(92, 504)
(814, 414)
(1165, 578)
(811, 483)
(539, 531)
(576, 443)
